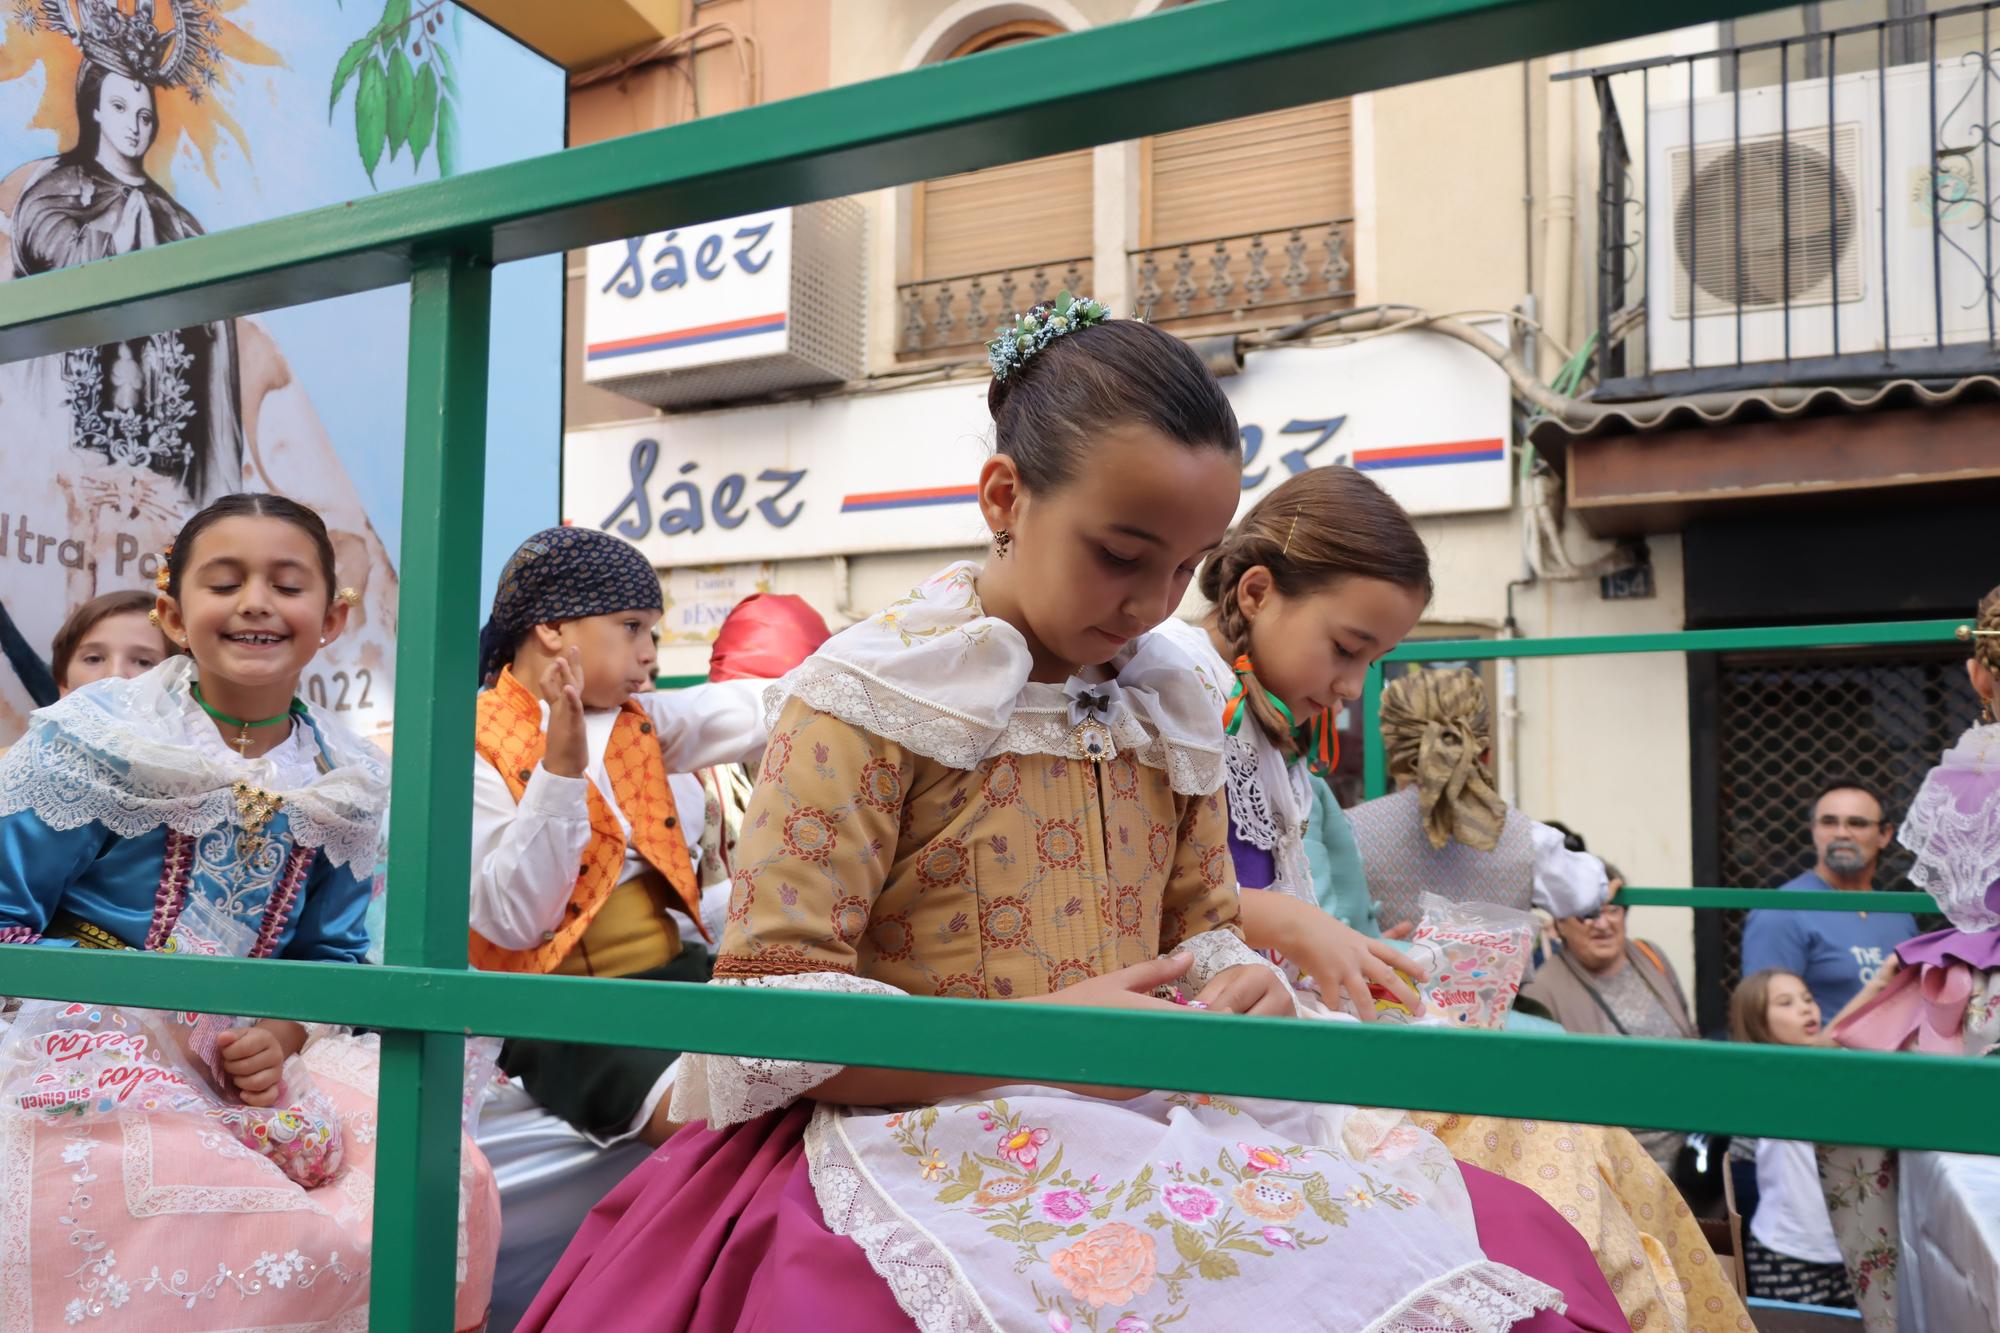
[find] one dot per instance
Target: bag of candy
(84, 1062)
(1477, 954)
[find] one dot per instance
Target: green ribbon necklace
(243, 728)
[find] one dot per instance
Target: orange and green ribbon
(1318, 740)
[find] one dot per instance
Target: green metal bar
(1189, 65)
(1680, 641)
(1797, 900)
(1779, 1092)
(423, 1072)
(1374, 758)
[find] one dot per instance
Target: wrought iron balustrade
(1232, 277)
(943, 316)
(1809, 209)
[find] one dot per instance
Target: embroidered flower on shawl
(1132, 1323)
(1279, 1239)
(1360, 1198)
(1001, 1189)
(1109, 1266)
(1192, 1203)
(1263, 1159)
(933, 1166)
(1023, 1147)
(1064, 1205)
(1269, 1200)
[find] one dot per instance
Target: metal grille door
(1787, 725)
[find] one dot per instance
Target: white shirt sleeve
(1567, 883)
(705, 725)
(525, 857)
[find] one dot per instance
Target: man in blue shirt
(1835, 952)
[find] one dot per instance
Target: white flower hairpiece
(1013, 344)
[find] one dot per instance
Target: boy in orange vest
(578, 850)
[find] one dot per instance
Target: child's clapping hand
(567, 755)
(254, 1058)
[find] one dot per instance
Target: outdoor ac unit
(1724, 227)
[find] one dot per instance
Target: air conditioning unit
(736, 308)
(1760, 202)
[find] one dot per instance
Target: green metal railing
(1193, 64)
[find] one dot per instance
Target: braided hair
(1986, 643)
(1321, 526)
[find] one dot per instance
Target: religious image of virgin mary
(110, 448)
(167, 401)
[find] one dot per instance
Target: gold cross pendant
(242, 743)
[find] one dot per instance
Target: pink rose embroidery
(1262, 1159)
(1023, 1147)
(1064, 1205)
(1131, 1323)
(1191, 1203)
(1279, 1239)
(1059, 1322)
(1110, 1266)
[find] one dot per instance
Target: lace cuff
(725, 1090)
(1216, 951)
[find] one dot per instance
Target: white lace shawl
(134, 755)
(1269, 800)
(1954, 829)
(936, 675)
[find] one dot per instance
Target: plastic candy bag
(84, 1063)
(1477, 954)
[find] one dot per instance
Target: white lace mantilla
(725, 1090)
(936, 675)
(135, 755)
(1954, 829)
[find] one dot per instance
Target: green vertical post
(1374, 764)
(430, 849)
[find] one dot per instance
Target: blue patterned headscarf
(564, 574)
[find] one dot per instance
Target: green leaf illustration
(1038, 1233)
(447, 140)
(1216, 1265)
(402, 100)
(1189, 1242)
(371, 114)
(1321, 1200)
(343, 73)
(395, 15)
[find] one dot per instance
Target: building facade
(794, 401)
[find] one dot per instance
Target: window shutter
(1013, 216)
(1262, 173)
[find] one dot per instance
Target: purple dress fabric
(1940, 947)
(720, 1232)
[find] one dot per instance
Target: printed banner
(127, 127)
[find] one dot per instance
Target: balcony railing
(1814, 209)
(1231, 278)
(955, 316)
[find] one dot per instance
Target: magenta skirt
(720, 1232)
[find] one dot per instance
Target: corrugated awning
(1553, 435)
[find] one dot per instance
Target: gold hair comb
(348, 595)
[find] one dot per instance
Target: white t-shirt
(1791, 1210)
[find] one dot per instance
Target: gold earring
(1985, 711)
(154, 616)
(348, 595)
(1003, 541)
